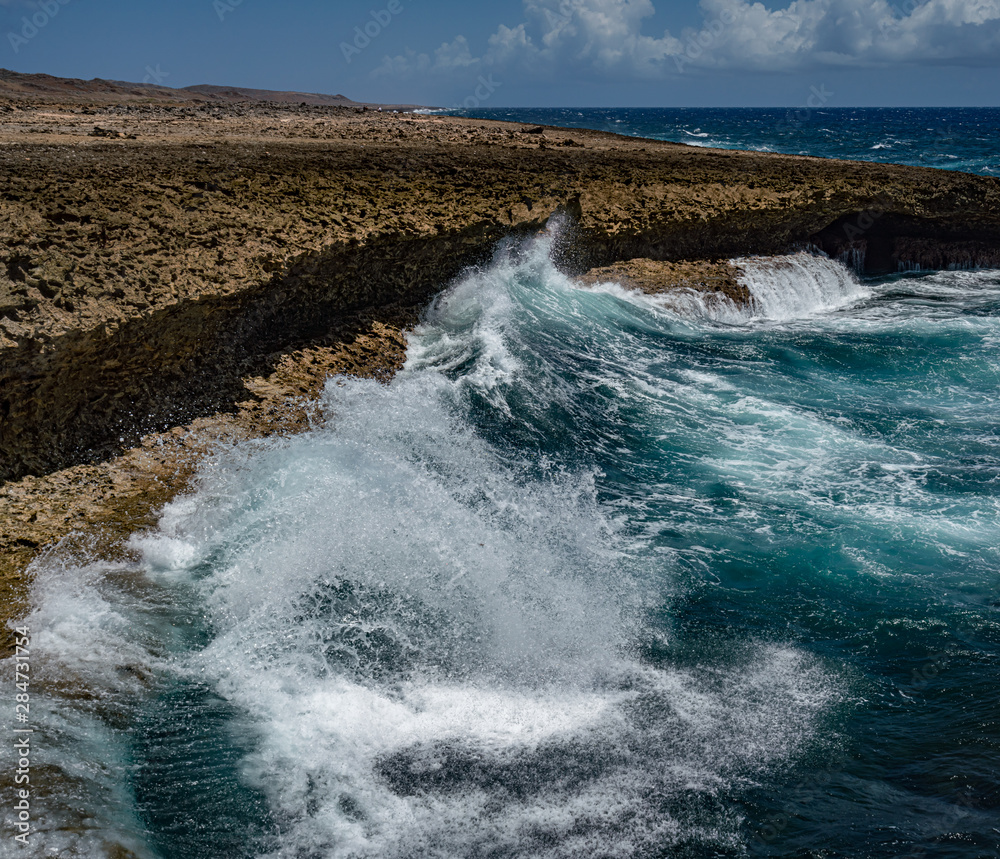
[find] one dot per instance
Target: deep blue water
(966, 139)
(596, 575)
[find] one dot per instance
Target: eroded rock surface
(655, 276)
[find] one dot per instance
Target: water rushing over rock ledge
(216, 267)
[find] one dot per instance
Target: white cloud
(815, 33)
(604, 38)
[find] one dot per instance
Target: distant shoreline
(41, 88)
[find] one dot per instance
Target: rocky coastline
(177, 275)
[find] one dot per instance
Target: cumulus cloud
(815, 33)
(605, 38)
(600, 36)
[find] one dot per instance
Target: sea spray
(782, 288)
(448, 662)
(444, 622)
(798, 285)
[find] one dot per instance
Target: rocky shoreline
(180, 274)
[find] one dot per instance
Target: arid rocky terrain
(178, 271)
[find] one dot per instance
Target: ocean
(598, 574)
(966, 139)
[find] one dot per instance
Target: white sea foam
(435, 640)
(798, 285)
(782, 289)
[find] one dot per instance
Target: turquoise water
(948, 138)
(596, 575)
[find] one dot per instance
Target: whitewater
(598, 574)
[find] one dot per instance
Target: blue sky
(529, 52)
